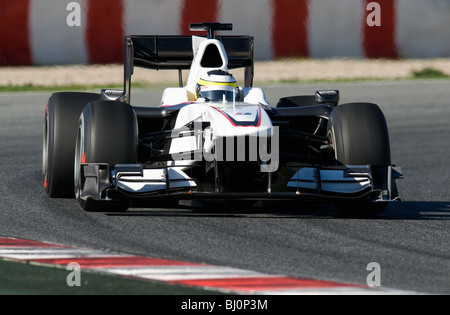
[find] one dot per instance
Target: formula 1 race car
(213, 140)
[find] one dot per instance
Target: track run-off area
(409, 242)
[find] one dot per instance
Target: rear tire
(60, 129)
(108, 133)
(359, 135)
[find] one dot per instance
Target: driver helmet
(217, 85)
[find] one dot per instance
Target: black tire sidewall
(108, 133)
(359, 135)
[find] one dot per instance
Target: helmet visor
(218, 93)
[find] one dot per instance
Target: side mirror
(112, 95)
(327, 96)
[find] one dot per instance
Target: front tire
(107, 133)
(359, 135)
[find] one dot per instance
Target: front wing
(99, 182)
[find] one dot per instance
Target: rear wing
(172, 52)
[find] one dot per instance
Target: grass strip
(20, 278)
(429, 73)
(424, 74)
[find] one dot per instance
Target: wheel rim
(332, 142)
(77, 162)
(45, 146)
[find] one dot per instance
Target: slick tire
(107, 133)
(359, 135)
(60, 129)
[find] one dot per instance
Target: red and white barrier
(37, 31)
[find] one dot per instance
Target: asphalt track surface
(410, 240)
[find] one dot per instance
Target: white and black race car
(212, 139)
